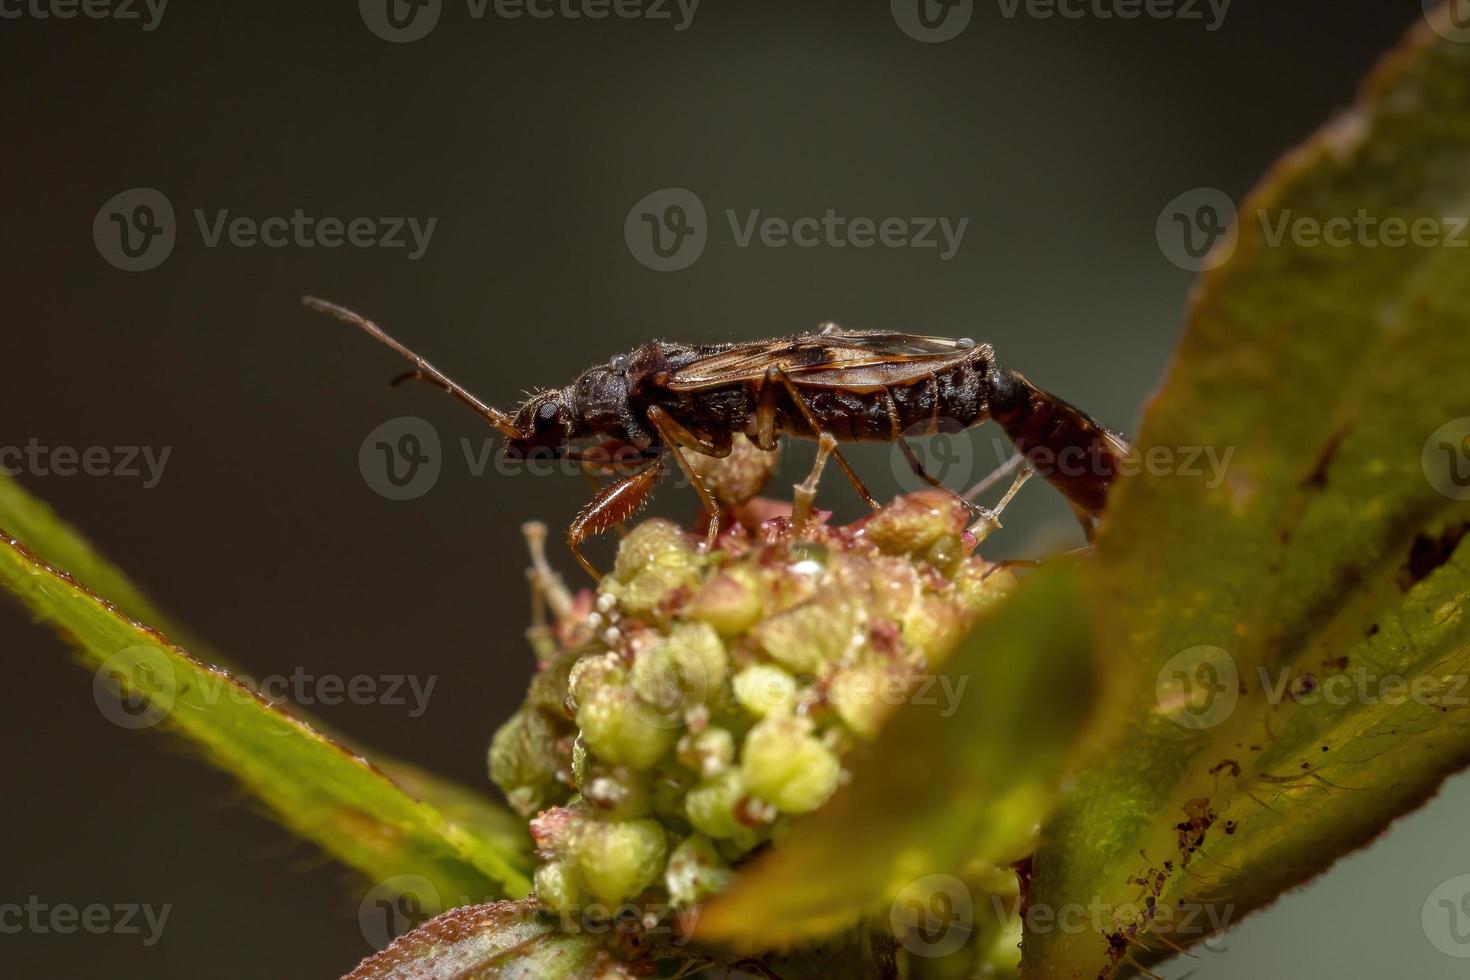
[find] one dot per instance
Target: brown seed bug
(830, 385)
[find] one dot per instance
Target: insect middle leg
(765, 413)
(680, 440)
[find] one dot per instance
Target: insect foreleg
(612, 505)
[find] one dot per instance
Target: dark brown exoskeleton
(831, 385)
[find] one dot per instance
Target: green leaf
(1236, 616)
(940, 790)
(316, 786)
(61, 546)
(503, 940)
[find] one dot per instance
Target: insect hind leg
(806, 491)
(979, 513)
(989, 520)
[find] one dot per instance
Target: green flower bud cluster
(694, 704)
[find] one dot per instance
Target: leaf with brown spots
(1304, 621)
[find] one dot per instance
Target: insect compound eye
(619, 363)
(966, 341)
(548, 415)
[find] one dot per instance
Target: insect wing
(824, 359)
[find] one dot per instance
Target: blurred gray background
(529, 141)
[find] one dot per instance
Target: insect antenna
(422, 369)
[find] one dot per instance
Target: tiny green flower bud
(932, 627)
(523, 760)
(730, 601)
(619, 859)
(617, 792)
(764, 688)
(804, 639)
(618, 730)
(711, 805)
(650, 543)
(654, 591)
(667, 797)
(557, 887)
(709, 753)
(555, 829)
(981, 585)
(596, 670)
(681, 672)
(695, 871)
(913, 524)
(784, 765)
